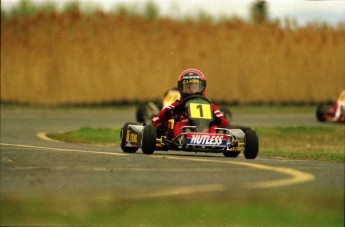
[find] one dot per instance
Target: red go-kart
(196, 137)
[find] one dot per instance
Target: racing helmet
(191, 82)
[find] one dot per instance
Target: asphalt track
(31, 163)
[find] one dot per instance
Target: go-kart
(332, 112)
(195, 137)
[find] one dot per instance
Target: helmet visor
(192, 86)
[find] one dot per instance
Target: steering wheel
(185, 100)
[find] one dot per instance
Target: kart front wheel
(123, 134)
(251, 147)
(323, 112)
(149, 139)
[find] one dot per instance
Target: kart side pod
(131, 137)
(237, 134)
(248, 143)
(134, 136)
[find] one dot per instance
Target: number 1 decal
(198, 110)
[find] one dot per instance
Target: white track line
(295, 176)
(184, 190)
(43, 136)
(62, 149)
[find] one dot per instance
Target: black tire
(141, 112)
(323, 111)
(251, 147)
(149, 139)
(320, 112)
(231, 154)
(243, 128)
(123, 139)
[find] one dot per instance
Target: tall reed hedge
(58, 58)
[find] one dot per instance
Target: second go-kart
(332, 112)
(196, 137)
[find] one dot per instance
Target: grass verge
(302, 142)
(306, 209)
(103, 136)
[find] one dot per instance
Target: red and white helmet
(191, 82)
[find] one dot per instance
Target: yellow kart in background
(332, 112)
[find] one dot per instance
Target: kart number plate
(200, 110)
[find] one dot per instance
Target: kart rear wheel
(141, 113)
(149, 139)
(325, 112)
(123, 139)
(251, 147)
(243, 128)
(231, 154)
(321, 112)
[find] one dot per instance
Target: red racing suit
(165, 115)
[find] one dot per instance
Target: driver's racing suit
(161, 120)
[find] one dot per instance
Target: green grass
(268, 109)
(89, 135)
(302, 142)
(305, 209)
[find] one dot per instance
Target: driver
(190, 82)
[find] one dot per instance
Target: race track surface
(30, 164)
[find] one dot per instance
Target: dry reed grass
(74, 58)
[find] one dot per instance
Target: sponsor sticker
(206, 139)
(133, 138)
(191, 76)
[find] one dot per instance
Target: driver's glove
(216, 121)
(161, 130)
(178, 109)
